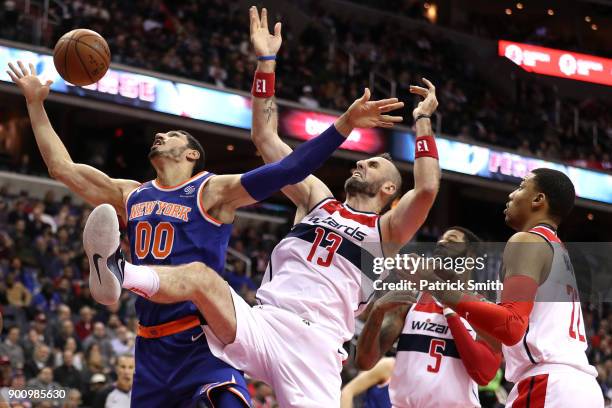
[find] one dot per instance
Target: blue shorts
(180, 371)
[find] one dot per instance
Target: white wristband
(448, 311)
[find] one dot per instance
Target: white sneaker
(101, 241)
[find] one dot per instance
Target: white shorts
(299, 359)
(559, 389)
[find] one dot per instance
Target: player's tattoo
(269, 108)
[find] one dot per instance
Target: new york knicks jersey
(315, 271)
(168, 226)
(428, 370)
(555, 337)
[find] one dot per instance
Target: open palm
(264, 43)
(28, 82)
(364, 113)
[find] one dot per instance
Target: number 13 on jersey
(335, 241)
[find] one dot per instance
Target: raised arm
(383, 327)
(264, 130)
(399, 224)
(379, 374)
(92, 185)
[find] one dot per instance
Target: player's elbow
(60, 172)
(482, 378)
(427, 191)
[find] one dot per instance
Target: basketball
(81, 57)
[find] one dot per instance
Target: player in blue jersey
(182, 216)
(373, 384)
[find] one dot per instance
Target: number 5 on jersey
(163, 240)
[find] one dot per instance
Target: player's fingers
(13, 77)
(254, 19)
(264, 18)
(366, 95)
(48, 83)
(32, 69)
(418, 90)
(389, 118)
(277, 29)
(384, 102)
(429, 84)
(382, 124)
(24, 70)
(391, 107)
(15, 70)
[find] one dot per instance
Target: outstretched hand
(429, 104)
(364, 113)
(28, 82)
(265, 44)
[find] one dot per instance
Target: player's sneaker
(101, 241)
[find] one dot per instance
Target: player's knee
(198, 273)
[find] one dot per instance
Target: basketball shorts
(299, 359)
(569, 388)
(180, 371)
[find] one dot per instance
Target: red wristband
(263, 85)
(425, 146)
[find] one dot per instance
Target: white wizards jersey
(428, 369)
(555, 337)
(315, 270)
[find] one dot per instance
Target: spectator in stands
(16, 293)
(47, 300)
(11, 348)
(307, 99)
(84, 326)
(44, 381)
(6, 371)
(101, 339)
(123, 343)
(17, 382)
(118, 394)
(73, 399)
(95, 384)
(67, 374)
(39, 360)
(263, 397)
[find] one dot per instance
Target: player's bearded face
(357, 186)
(174, 153)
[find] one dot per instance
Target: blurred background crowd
(327, 63)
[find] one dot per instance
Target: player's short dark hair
(472, 239)
(194, 144)
(397, 179)
(558, 189)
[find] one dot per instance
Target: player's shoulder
(526, 237)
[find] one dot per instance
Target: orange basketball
(81, 57)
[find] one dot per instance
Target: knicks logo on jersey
(353, 232)
(147, 208)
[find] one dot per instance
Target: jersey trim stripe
(203, 212)
(545, 233)
(359, 212)
(173, 188)
(421, 343)
(364, 219)
(527, 347)
(314, 207)
(127, 199)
